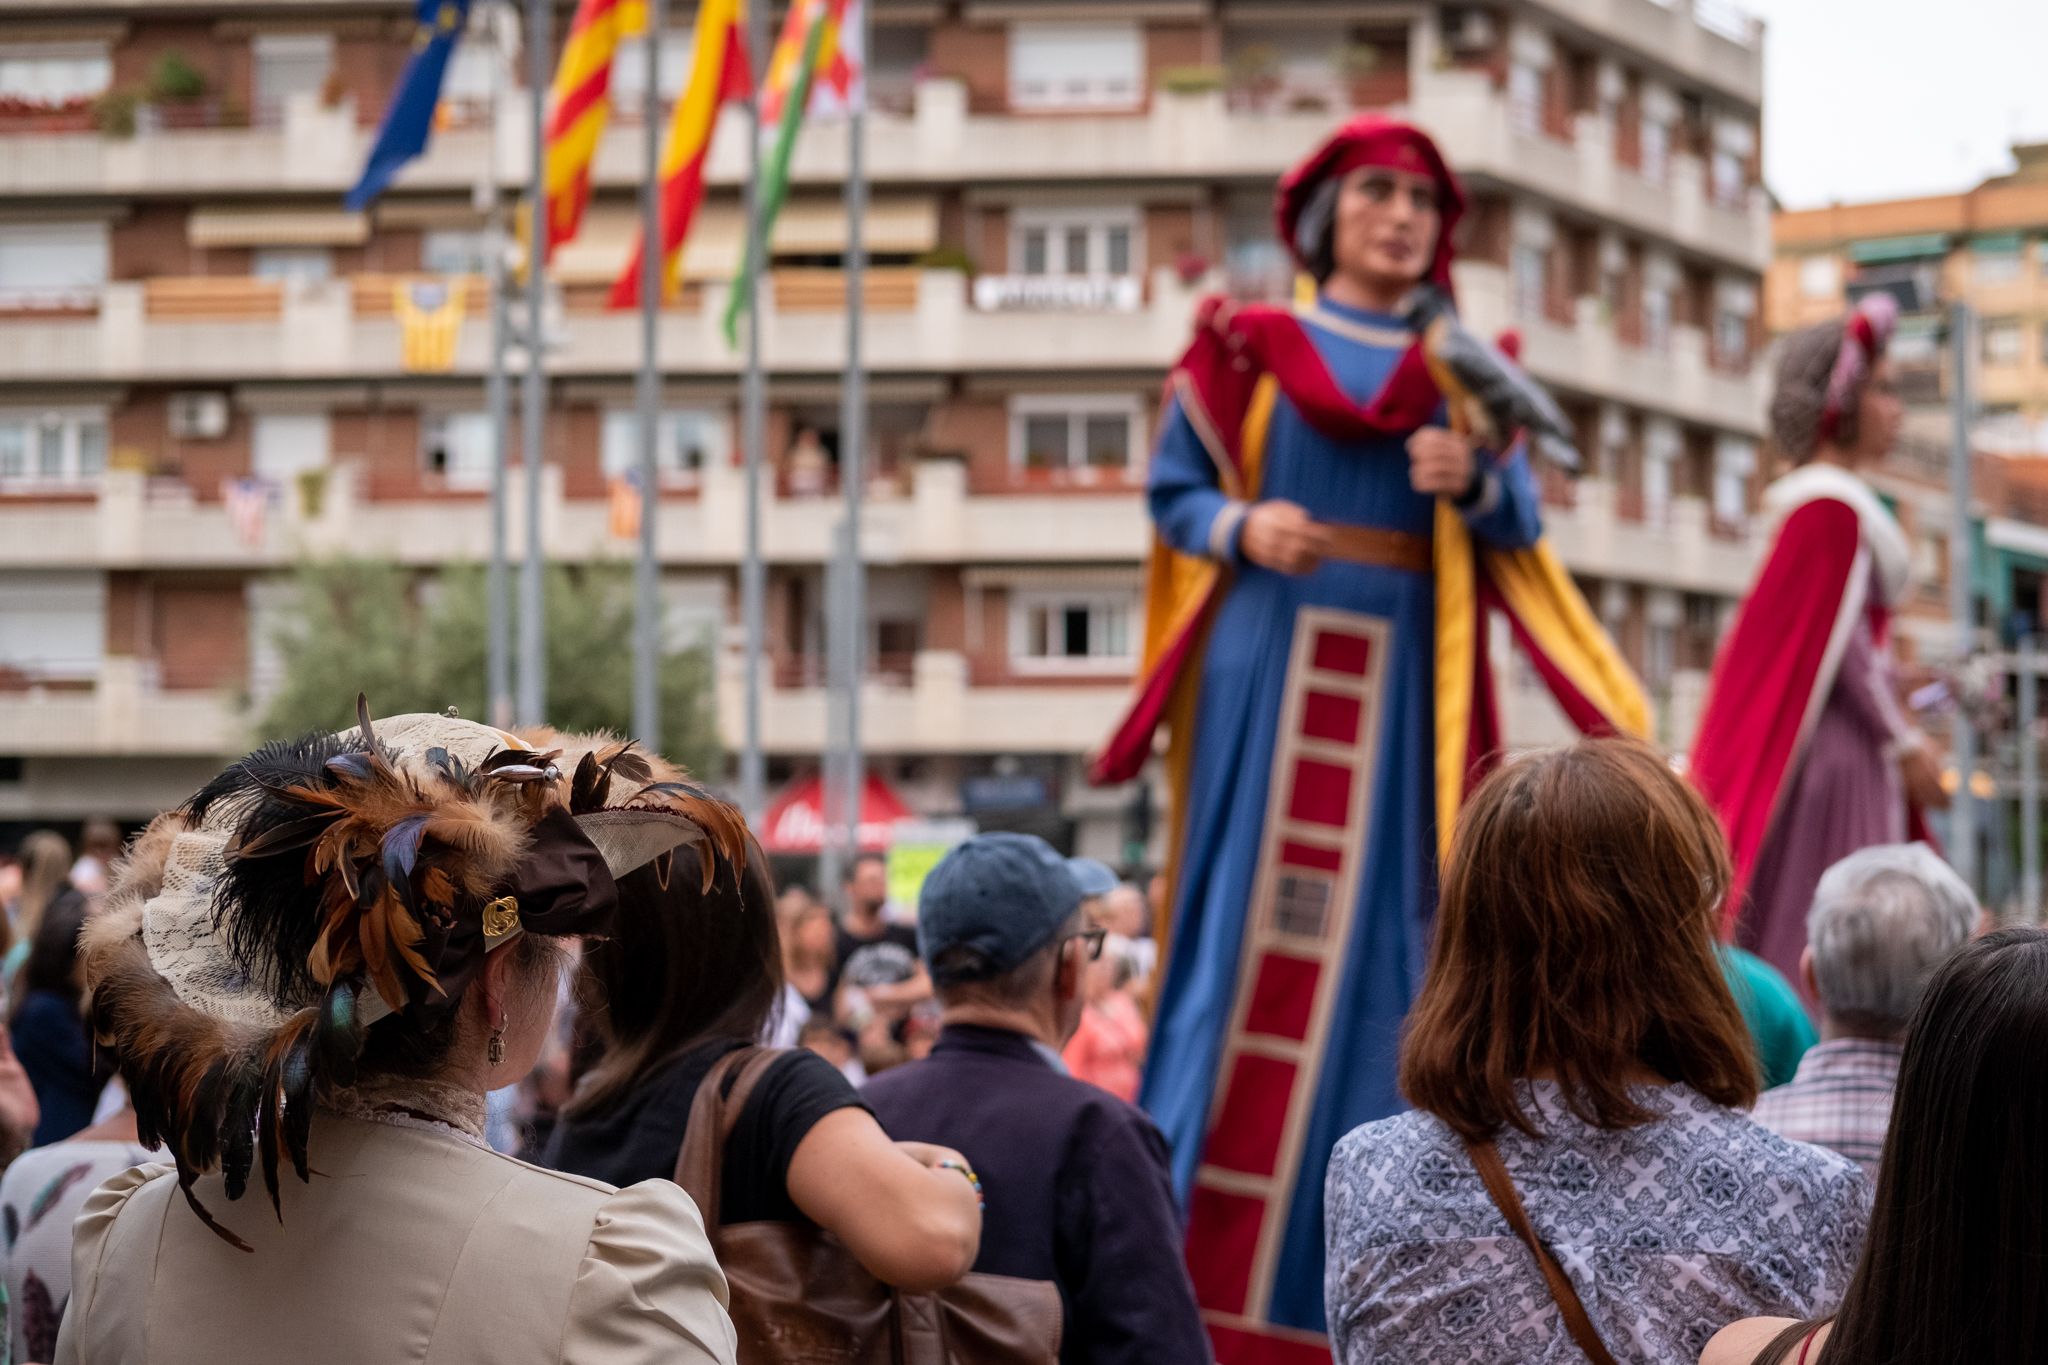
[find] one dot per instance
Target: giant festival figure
(1327, 549)
(1803, 748)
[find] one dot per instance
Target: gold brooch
(501, 917)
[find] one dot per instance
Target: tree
(420, 645)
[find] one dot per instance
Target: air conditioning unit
(1468, 30)
(199, 416)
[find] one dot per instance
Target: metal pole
(833, 849)
(653, 257)
(753, 435)
(2030, 780)
(853, 414)
(498, 399)
(1963, 813)
(533, 687)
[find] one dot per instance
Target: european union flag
(410, 119)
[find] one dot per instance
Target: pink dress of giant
(1844, 792)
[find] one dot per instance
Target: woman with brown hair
(1577, 1171)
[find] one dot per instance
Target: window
(1820, 277)
(457, 447)
(1083, 432)
(44, 265)
(284, 445)
(1657, 317)
(55, 625)
(1525, 98)
(1051, 632)
(477, 71)
(289, 65)
(54, 75)
(629, 70)
(1660, 654)
(1526, 265)
(1730, 179)
(52, 447)
(1734, 462)
(1996, 265)
(1656, 152)
(1663, 448)
(2003, 343)
(293, 263)
(1731, 337)
(1076, 242)
(1076, 66)
(686, 442)
(456, 251)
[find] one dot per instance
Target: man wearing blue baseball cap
(1074, 1178)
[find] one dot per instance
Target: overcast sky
(1881, 99)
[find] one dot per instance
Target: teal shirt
(1778, 1022)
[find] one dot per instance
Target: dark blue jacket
(1076, 1185)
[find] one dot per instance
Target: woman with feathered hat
(310, 975)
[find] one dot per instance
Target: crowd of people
(959, 1112)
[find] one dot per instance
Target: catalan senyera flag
(429, 313)
(579, 106)
(835, 65)
(718, 72)
(813, 30)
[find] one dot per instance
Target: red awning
(795, 822)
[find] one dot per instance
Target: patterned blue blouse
(1669, 1232)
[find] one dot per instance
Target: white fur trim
(1881, 536)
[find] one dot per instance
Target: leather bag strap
(700, 1164)
(1501, 1190)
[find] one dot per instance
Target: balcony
(1682, 549)
(121, 713)
(937, 710)
(1710, 41)
(918, 322)
(138, 522)
(1591, 358)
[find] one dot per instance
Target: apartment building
(202, 377)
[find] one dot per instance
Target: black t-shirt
(639, 1137)
(887, 958)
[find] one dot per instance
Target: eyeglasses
(1093, 938)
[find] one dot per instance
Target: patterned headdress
(1865, 335)
(257, 934)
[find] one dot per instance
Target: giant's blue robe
(1355, 892)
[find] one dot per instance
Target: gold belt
(1377, 546)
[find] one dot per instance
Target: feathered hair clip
(334, 881)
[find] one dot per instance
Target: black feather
(401, 850)
(282, 837)
(276, 767)
(186, 1176)
(267, 1134)
(629, 766)
(238, 1128)
(588, 788)
(295, 1081)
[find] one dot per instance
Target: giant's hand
(1281, 536)
(1441, 463)
(1921, 771)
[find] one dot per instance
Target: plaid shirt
(1840, 1098)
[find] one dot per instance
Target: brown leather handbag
(800, 1298)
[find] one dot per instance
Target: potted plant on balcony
(1204, 78)
(1253, 72)
(176, 96)
(1359, 68)
(24, 113)
(114, 113)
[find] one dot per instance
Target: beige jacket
(408, 1245)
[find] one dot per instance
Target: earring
(495, 1051)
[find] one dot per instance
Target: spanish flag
(579, 105)
(718, 72)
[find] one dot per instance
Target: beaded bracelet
(966, 1170)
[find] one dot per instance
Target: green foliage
(113, 113)
(175, 78)
(1202, 79)
(1357, 61)
(361, 626)
(946, 258)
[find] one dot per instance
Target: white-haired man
(1882, 920)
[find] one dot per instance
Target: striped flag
(838, 69)
(817, 23)
(718, 72)
(579, 105)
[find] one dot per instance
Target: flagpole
(498, 391)
(532, 648)
(754, 421)
(646, 584)
(853, 434)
